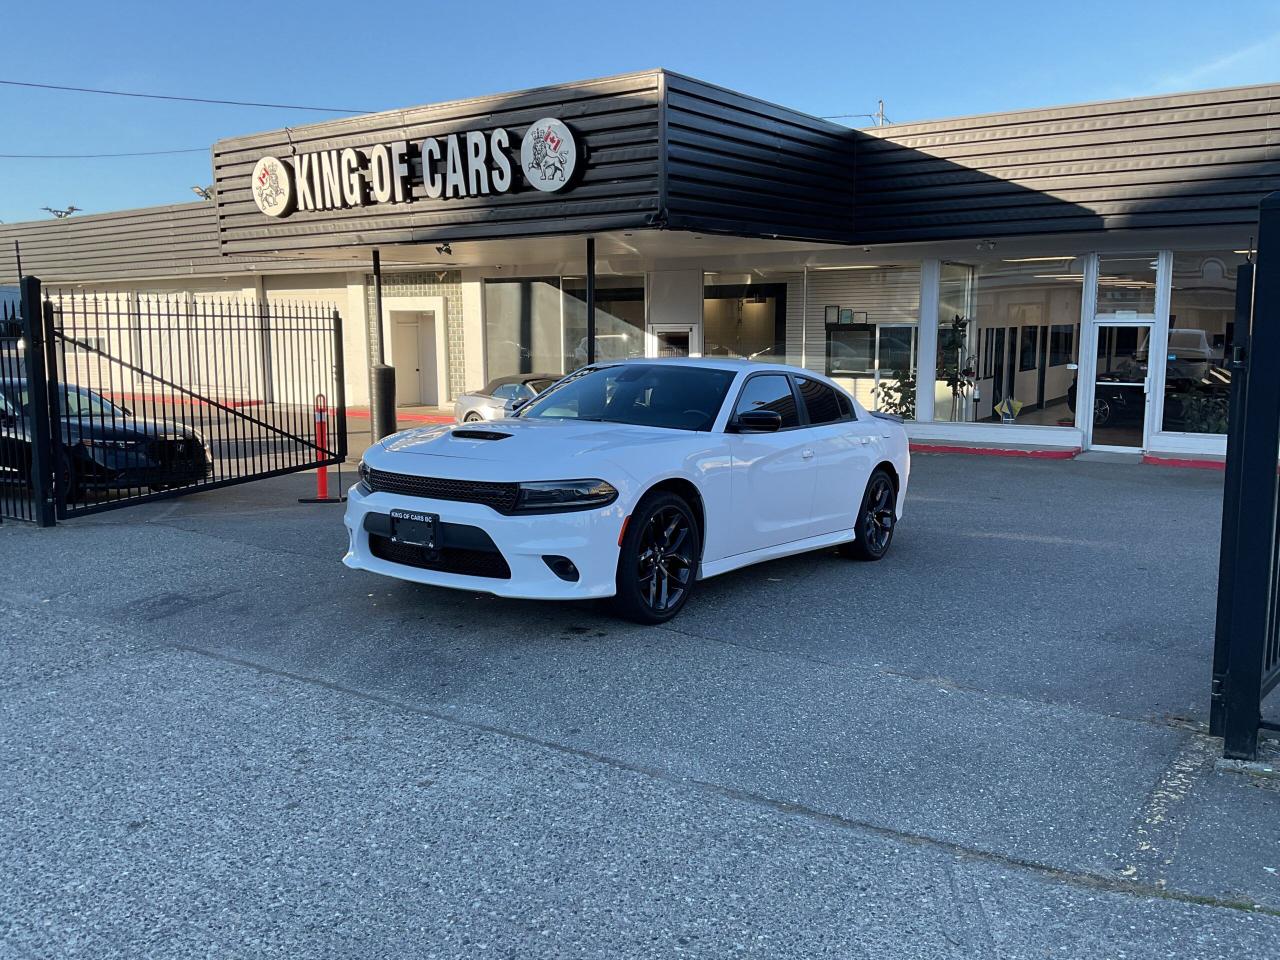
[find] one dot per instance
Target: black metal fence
(122, 398)
(1246, 659)
(15, 421)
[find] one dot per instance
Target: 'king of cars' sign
(470, 164)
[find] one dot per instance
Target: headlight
(549, 496)
(114, 444)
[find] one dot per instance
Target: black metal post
(41, 425)
(1230, 497)
(1253, 567)
(340, 385)
(591, 299)
(382, 378)
(17, 255)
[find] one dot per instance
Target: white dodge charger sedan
(633, 480)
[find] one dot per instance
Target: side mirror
(758, 421)
(511, 406)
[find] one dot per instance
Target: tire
(67, 485)
(472, 417)
(658, 560)
(1101, 412)
(877, 517)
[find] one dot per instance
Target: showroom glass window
(1201, 327)
(745, 315)
(523, 327)
(957, 349)
(1127, 284)
(619, 319)
(1021, 345)
(539, 324)
(869, 317)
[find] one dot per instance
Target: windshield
(72, 401)
(646, 394)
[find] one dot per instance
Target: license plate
(416, 529)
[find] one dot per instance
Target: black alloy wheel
(658, 561)
(877, 515)
(1101, 412)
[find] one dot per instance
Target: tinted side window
(507, 391)
(846, 406)
(820, 401)
(769, 392)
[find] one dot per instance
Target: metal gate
(1246, 657)
(113, 399)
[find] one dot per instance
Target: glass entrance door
(1121, 386)
(674, 340)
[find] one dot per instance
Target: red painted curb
(1186, 462)
(363, 414)
(996, 451)
(176, 401)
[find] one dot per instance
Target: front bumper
(589, 538)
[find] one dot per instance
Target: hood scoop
(479, 435)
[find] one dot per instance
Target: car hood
(536, 441)
(124, 428)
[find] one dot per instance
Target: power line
(95, 156)
(161, 96)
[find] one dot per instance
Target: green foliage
(1202, 412)
(952, 365)
(897, 394)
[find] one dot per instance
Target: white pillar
(927, 338)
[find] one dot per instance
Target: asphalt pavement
(217, 741)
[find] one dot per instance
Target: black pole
(17, 255)
(382, 378)
(591, 299)
(1230, 497)
(1253, 569)
(40, 420)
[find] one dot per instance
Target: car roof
(522, 378)
(714, 363)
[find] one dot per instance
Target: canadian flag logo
(552, 140)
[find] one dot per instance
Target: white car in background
(497, 398)
(633, 480)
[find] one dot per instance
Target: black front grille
(500, 496)
(467, 563)
(176, 454)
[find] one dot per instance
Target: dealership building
(1055, 279)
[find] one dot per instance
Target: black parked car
(104, 446)
(1192, 404)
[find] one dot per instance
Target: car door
(846, 451)
(773, 473)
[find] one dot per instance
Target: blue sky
(925, 59)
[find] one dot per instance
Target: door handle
(806, 453)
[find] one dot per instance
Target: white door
(773, 473)
(413, 353)
(674, 340)
(846, 452)
(1121, 387)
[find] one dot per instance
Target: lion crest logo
(273, 187)
(548, 155)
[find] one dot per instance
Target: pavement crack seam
(1162, 819)
(1059, 875)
